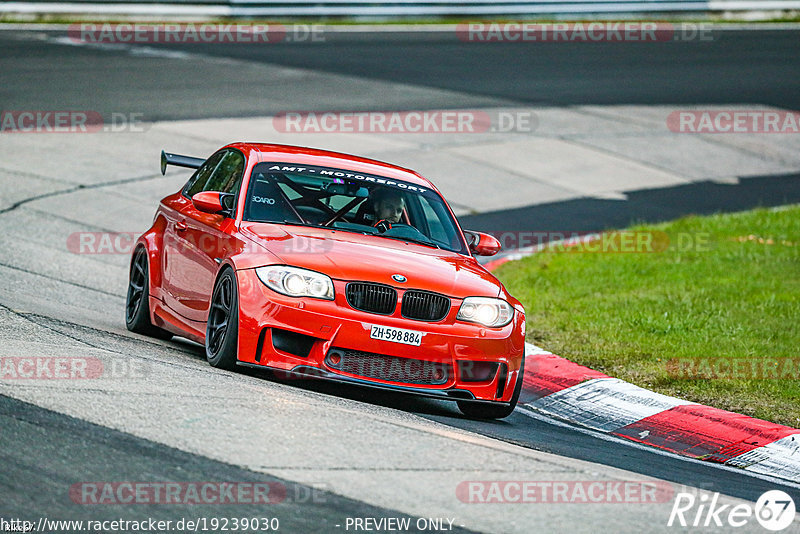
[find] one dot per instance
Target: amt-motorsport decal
(329, 172)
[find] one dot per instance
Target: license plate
(396, 335)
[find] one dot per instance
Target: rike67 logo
(774, 510)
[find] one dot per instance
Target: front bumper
(328, 325)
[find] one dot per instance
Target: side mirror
(208, 202)
(483, 244)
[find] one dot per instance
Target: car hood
(352, 256)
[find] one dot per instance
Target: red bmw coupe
(332, 266)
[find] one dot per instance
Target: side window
(228, 174)
(198, 181)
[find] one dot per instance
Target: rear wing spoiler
(179, 161)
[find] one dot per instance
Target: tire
(474, 410)
(137, 303)
(222, 328)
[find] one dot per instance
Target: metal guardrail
(392, 8)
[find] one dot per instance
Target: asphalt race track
(335, 453)
(732, 68)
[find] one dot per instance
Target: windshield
(356, 202)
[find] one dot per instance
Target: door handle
(180, 226)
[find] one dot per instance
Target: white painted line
(605, 404)
(780, 458)
(134, 50)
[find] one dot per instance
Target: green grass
(628, 314)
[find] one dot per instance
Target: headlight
(296, 282)
(486, 311)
